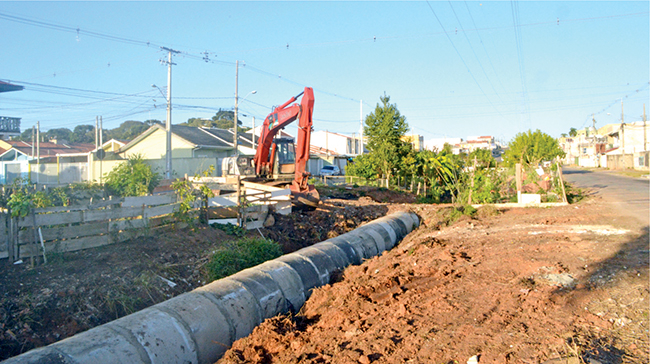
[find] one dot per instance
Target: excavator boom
(282, 116)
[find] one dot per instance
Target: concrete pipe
(199, 326)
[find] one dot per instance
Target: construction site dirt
(520, 285)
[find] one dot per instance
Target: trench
(200, 325)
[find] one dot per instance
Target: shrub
(132, 178)
(241, 254)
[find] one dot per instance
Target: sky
(453, 68)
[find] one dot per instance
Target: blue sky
(453, 69)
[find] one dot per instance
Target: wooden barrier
(72, 228)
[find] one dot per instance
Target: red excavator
(276, 160)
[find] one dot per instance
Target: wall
(153, 146)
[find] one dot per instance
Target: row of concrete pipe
(199, 326)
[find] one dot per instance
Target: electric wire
(463, 60)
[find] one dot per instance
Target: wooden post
(469, 199)
(559, 172)
(6, 220)
(34, 247)
(419, 184)
(518, 179)
(239, 201)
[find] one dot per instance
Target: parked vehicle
(330, 171)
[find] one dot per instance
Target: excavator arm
(282, 116)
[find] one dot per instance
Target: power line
(463, 60)
(514, 6)
(478, 33)
(472, 48)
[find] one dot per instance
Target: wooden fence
(71, 228)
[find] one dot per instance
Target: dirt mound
(523, 286)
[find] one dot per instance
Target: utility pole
(645, 137)
(101, 142)
(168, 124)
(96, 132)
(361, 121)
(38, 148)
(253, 131)
(622, 131)
(235, 142)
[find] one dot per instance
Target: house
(458, 145)
(321, 157)
(194, 149)
(45, 163)
(618, 145)
(439, 143)
(338, 143)
(187, 142)
(417, 141)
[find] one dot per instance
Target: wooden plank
(223, 200)
(282, 207)
(261, 187)
(121, 225)
(4, 255)
(114, 214)
(223, 221)
(77, 244)
(255, 208)
(162, 199)
(66, 232)
(60, 209)
(250, 225)
(207, 179)
(54, 219)
(161, 221)
(106, 203)
(160, 210)
(222, 212)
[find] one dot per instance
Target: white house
(339, 143)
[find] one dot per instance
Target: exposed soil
(521, 286)
(76, 291)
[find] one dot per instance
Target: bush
(241, 254)
(132, 178)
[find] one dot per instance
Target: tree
(573, 132)
(362, 166)
(83, 134)
(531, 148)
(59, 134)
(127, 130)
(223, 119)
(384, 129)
(132, 178)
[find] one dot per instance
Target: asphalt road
(631, 196)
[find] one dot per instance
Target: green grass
(241, 254)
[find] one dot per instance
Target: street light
(236, 141)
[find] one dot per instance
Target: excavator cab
(286, 157)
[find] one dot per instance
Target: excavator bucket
(308, 197)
